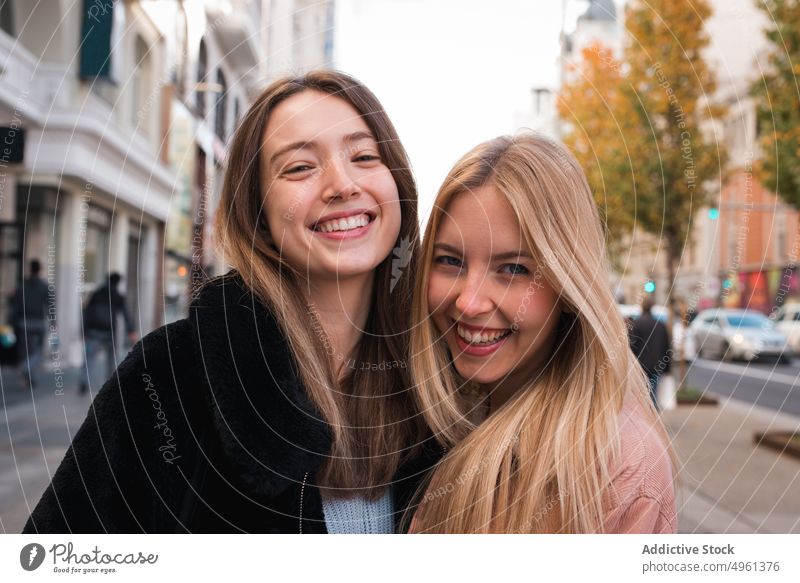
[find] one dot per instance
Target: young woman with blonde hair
(521, 361)
(281, 404)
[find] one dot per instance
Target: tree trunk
(678, 362)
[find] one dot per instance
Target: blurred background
(115, 117)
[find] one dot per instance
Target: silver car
(731, 334)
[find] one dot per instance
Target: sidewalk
(36, 427)
(728, 484)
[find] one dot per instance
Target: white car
(745, 334)
(787, 320)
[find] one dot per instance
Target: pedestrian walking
(28, 313)
(650, 342)
(100, 320)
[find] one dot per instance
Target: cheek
(382, 187)
(435, 292)
(392, 219)
(438, 297)
(536, 307)
(285, 208)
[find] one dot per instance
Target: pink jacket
(641, 499)
(642, 496)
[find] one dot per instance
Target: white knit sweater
(359, 515)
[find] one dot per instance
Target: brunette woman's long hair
(370, 412)
(541, 462)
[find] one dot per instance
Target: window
(95, 258)
(202, 66)
(179, 79)
(141, 85)
(221, 106)
(236, 113)
(7, 17)
(749, 321)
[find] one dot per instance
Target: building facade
(117, 116)
(89, 194)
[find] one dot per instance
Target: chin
(481, 374)
(345, 269)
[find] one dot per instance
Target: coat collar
(269, 430)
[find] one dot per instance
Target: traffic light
(713, 213)
(650, 286)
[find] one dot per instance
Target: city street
(260, 190)
(767, 384)
(727, 483)
(37, 427)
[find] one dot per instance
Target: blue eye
(516, 269)
(447, 260)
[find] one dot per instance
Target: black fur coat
(202, 428)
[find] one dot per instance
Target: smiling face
(487, 296)
(331, 203)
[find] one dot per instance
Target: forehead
(311, 116)
(481, 220)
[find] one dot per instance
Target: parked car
(730, 334)
(787, 320)
(633, 311)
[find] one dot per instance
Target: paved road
(768, 384)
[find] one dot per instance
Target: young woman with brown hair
(281, 403)
(521, 364)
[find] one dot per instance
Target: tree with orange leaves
(778, 97)
(599, 123)
(660, 154)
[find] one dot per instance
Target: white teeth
(344, 224)
(481, 338)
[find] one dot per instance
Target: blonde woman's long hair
(370, 412)
(542, 461)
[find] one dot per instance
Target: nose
(474, 296)
(337, 181)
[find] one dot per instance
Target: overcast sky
(450, 73)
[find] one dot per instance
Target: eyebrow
(312, 145)
(498, 257)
